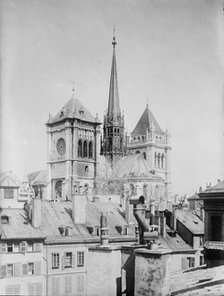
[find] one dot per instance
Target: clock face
(61, 146)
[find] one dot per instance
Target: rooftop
(200, 282)
(58, 214)
(190, 221)
(73, 109)
(147, 121)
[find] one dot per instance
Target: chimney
(79, 202)
(162, 224)
(202, 213)
(127, 208)
(36, 212)
(152, 212)
(104, 237)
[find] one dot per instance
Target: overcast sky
(169, 53)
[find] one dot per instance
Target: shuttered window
(8, 193)
(37, 268)
(68, 259)
(23, 247)
(25, 269)
(80, 259)
(55, 260)
(17, 269)
(37, 247)
(10, 270)
(3, 271)
(3, 247)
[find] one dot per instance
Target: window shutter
(123, 280)
(63, 262)
(184, 263)
(17, 267)
(31, 289)
(17, 290)
(37, 247)
(73, 260)
(3, 270)
(22, 247)
(37, 267)
(3, 247)
(25, 270)
(39, 289)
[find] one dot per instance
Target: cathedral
(82, 159)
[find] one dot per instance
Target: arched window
(137, 152)
(58, 189)
(90, 150)
(162, 161)
(85, 149)
(80, 148)
(155, 160)
(86, 169)
(132, 189)
(139, 138)
(144, 155)
(158, 160)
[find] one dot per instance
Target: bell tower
(113, 128)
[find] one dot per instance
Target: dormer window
(4, 219)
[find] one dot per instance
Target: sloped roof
(219, 187)
(133, 166)
(73, 109)
(201, 281)
(145, 122)
(190, 221)
(8, 179)
(38, 177)
(174, 243)
(56, 214)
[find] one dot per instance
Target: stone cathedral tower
(113, 129)
(73, 150)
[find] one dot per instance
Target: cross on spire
(114, 39)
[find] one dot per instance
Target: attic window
(4, 219)
(81, 111)
(62, 113)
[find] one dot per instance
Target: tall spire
(114, 110)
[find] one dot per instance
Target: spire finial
(114, 38)
(147, 103)
(73, 88)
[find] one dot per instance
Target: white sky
(169, 53)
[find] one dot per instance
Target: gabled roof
(73, 109)
(8, 179)
(190, 221)
(146, 121)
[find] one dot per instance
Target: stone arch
(80, 148)
(58, 189)
(85, 149)
(90, 149)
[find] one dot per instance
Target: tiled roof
(145, 122)
(200, 282)
(133, 166)
(193, 197)
(56, 214)
(73, 109)
(38, 177)
(190, 221)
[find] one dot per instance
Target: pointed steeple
(113, 111)
(113, 129)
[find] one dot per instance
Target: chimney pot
(36, 212)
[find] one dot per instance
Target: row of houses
(64, 248)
